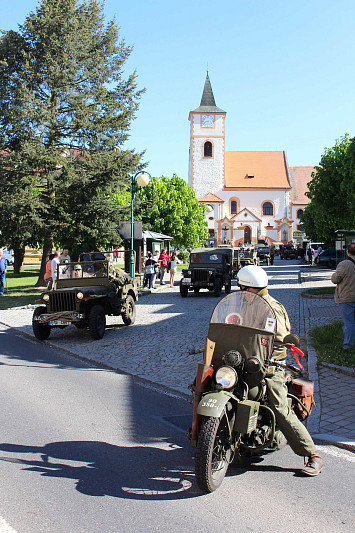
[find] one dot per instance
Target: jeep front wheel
(217, 287)
(97, 322)
(41, 331)
(183, 290)
(129, 314)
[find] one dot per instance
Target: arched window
(268, 209)
(299, 213)
(233, 207)
(207, 149)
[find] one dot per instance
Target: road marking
(336, 453)
(22, 337)
(5, 527)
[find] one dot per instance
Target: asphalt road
(86, 449)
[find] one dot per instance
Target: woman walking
(173, 266)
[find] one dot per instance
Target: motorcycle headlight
(45, 297)
(79, 295)
(226, 376)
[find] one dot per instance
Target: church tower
(207, 145)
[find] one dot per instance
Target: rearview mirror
(292, 339)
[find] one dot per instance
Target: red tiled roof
(267, 168)
(299, 177)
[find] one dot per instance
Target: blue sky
(283, 70)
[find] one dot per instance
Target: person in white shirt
(173, 266)
(54, 263)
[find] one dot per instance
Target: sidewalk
(333, 419)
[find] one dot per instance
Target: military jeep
(265, 255)
(209, 268)
(83, 294)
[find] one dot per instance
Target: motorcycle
(232, 418)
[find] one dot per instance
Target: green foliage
(184, 256)
(65, 109)
(171, 207)
(332, 193)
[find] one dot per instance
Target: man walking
(3, 268)
(344, 279)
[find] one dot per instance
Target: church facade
(249, 196)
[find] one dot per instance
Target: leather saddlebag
(303, 390)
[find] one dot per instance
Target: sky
(283, 70)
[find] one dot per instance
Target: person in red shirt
(163, 261)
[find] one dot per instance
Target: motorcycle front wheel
(213, 453)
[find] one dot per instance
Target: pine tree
(65, 113)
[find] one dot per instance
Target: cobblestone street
(166, 342)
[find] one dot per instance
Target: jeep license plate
(59, 323)
(186, 281)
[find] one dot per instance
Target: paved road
(88, 450)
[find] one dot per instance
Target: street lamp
(142, 179)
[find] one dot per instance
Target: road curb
(341, 369)
(334, 440)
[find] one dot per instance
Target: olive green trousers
(294, 431)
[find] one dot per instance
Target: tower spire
(208, 104)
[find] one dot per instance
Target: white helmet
(252, 276)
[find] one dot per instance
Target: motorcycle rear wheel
(213, 453)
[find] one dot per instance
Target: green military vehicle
(209, 268)
(266, 255)
(288, 252)
(83, 294)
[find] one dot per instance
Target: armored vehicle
(265, 255)
(209, 268)
(83, 294)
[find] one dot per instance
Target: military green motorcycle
(231, 416)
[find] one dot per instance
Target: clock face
(207, 121)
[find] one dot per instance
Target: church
(249, 196)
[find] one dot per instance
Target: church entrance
(247, 235)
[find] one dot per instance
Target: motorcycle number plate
(186, 281)
(59, 323)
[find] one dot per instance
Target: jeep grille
(200, 275)
(62, 301)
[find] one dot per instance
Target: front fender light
(226, 376)
(79, 295)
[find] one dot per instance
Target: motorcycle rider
(254, 279)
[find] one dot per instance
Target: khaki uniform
(294, 431)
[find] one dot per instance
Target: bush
(184, 256)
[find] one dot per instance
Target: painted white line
(336, 453)
(5, 527)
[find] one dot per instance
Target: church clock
(207, 121)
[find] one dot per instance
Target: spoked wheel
(213, 453)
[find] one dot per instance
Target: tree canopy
(65, 113)
(332, 193)
(171, 207)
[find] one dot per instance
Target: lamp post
(142, 179)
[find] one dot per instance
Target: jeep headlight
(210, 272)
(45, 297)
(226, 376)
(79, 295)
(189, 272)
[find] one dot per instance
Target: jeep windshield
(85, 269)
(209, 258)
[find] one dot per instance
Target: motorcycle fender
(212, 403)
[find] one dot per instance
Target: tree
(331, 191)
(171, 208)
(65, 111)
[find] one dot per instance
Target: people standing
(54, 263)
(65, 257)
(163, 261)
(3, 269)
(149, 270)
(173, 266)
(48, 272)
(156, 267)
(344, 279)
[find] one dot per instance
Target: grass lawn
(20, 289)
(328, 343)
(321, 290)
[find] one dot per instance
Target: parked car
(330, 258)
(265, 255)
